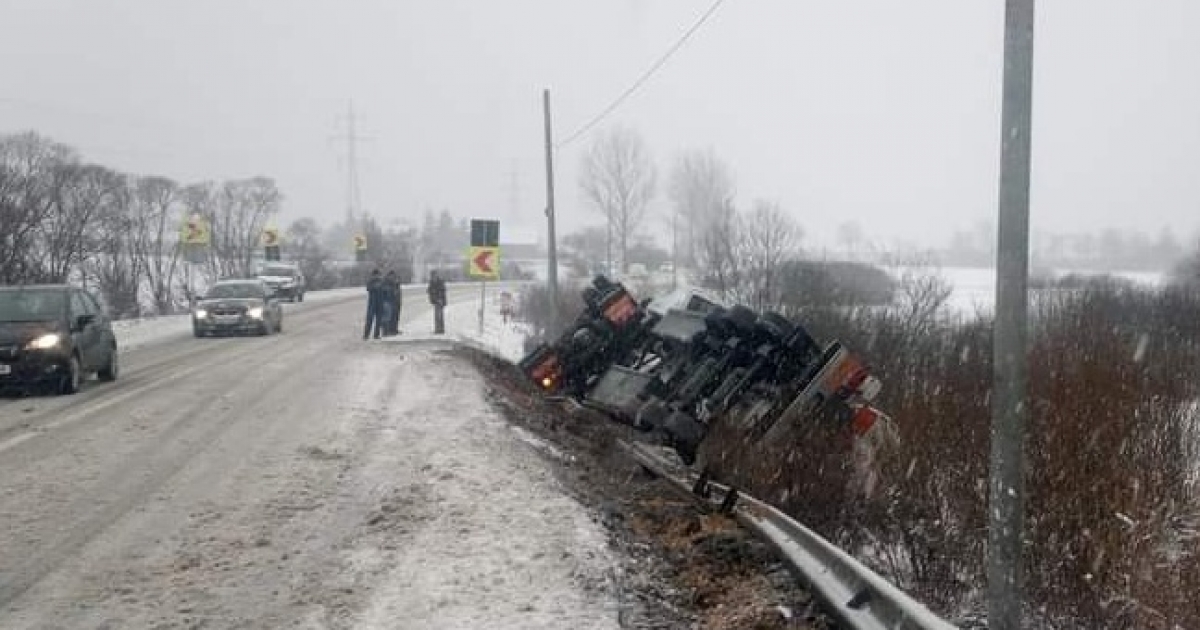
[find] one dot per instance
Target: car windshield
(236, 290)
(31, 305)
(277, 271)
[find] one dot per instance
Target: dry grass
(1111, 503)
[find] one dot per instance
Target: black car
(237, 306)
(54, 334)
(285, 279)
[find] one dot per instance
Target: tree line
(63, 219)
(751, 254)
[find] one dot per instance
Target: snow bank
(135, 333)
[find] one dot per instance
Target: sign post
(195, 235)
(483, 257)
(270, 241)
(360, 248)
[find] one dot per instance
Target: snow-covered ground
(974, 290)
(496, 337)
(309, 480)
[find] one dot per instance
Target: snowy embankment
(497, 337)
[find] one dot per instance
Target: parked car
(237, 306)
(285, 279)
(56, 335)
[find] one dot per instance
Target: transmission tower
(350, 136)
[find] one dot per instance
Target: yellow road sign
(360, 242)
(485, 262)
(270, 237)
(195, 231)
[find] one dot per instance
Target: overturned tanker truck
(677, 367)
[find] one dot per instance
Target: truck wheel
(776, 325)
(742, 317)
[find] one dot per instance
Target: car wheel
(110, 372)
(73, 377)
(266, 328)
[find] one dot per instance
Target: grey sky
(876, 110)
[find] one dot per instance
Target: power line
(645, 76)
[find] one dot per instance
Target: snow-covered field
(974, 290)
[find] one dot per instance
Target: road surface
(310, 479)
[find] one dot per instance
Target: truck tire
(775, 325)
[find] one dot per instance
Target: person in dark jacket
(374, 305)
(396, 300)
(387, 303)
(437, 297)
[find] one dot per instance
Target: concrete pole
(551, 239)
(1010, 377)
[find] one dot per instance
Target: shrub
(534, 308)
(1111, 498)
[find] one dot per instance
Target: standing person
(437, 297)
(374, 298)
(392, 280)
(387, 303)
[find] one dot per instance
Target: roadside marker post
(483, 257)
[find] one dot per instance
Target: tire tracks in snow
(189, 428)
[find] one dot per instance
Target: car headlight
(255, 312)
(201, 313)
(45, 342)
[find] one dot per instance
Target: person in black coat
(437, 297)
(395, 300)
(374, 320)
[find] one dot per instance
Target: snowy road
(308, 480)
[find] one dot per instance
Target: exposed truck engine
(677, 370)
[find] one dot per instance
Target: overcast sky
(880, 111)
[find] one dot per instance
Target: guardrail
(857, 596)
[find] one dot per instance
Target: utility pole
(551, 242)
(1010, 407)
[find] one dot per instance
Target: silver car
(237, 306)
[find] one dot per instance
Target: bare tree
(619, 179)
(115, 263)
(30, 175)
(769, 238)
(701, 186)
(237, 211)
(719, 249)
(302, 245)
(155, 211)
(82, 193)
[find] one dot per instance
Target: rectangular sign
(485, 233)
